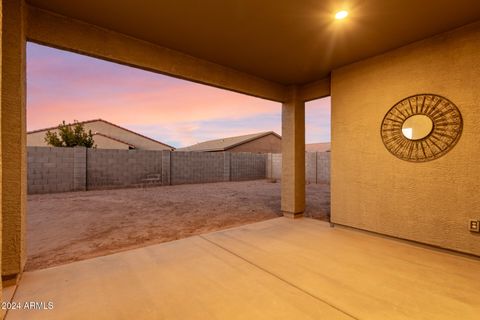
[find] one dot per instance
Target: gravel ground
(67, 227)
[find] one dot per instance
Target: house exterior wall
(2, 312)
(14, 157)
(37, 139)
(102, 142)
(266, 144)
(428, 202)
(127, 136)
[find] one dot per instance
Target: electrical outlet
(474, 225)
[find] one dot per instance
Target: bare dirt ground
(67, 227)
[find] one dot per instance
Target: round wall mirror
(417, 127)
(422, 127)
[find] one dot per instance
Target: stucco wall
(371, 189)
(13, 118)
(37, 139)
(102, 142)
(267, 144)
(130, 137)
(2, 312)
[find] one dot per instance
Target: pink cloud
(67, 86)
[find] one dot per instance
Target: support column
(13, 137)
(293, 155)
(2, 312)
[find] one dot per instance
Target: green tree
(70, 135)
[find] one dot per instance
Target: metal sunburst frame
(447, 127)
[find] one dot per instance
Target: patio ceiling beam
(315, 90)
(62, 32)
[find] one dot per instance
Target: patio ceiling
(288, 42)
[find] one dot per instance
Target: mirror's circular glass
(417, 127)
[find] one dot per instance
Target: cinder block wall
(323, 167)
(120, 168)
(53, 170)
(50, 170)
(79, 168)
(317, 167)
(274, 166)
(311, 167)
(247, 166)
(196, 167)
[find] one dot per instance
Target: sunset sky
(67, 86)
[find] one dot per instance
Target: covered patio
(382, 63)
(275, 269)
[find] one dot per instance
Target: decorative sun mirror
(417, 127)
(421, 127)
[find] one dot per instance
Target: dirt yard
(67, 227)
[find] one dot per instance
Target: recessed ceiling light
(341, 14)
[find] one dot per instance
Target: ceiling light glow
(341, 14)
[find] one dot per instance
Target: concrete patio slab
(276, 269)
(368, 276)
(185, 279)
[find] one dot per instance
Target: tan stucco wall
(371, 189)
(293, 155)
(267, 144)
(37, 139)
(102, 142)
(1, 63)
(14, 175)
(115, 132)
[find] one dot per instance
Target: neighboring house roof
(318, 147)
(227, 143)
(114, 139)
(112, 124)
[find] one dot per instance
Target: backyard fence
(52, 170)
(317, 167)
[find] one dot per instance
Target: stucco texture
(106, 136)
(270, 143)
(14, 175)
(293, 155)
(1, 36)
(427, 202)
